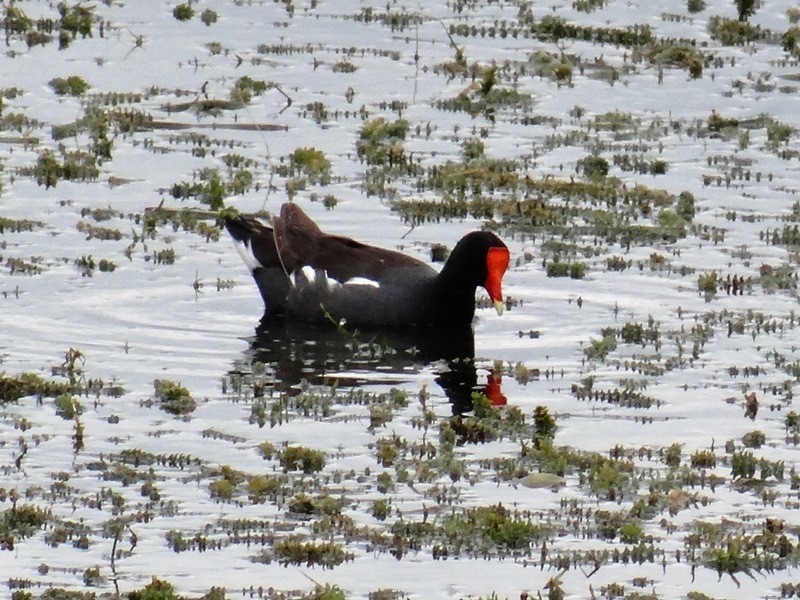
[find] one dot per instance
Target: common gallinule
(304, 273)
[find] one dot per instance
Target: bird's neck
(454, 297)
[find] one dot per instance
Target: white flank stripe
(303, 276)
(362, 281)
(309, 273)
(246, 252)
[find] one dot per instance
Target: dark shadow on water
(297, 351)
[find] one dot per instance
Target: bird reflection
(295, 351)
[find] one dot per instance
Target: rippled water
(194, 321)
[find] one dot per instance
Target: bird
(304, 273)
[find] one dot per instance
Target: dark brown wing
(301, 242)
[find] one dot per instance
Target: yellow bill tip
(499, 306)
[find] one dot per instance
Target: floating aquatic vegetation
(183, 12)
(398, 20)
(97, 232)
(69, 86)
(186, 218)
(71, 21)
(173, 397)
(300, 458)
(245, 88)
(19, 522)
(17, 121)
(381, 142)
(12, 388)
(469, 531)
(732, 32)
(575, 270)
(209, 17)
(310, 163)
(683, 54)
(88, 265)
(344, 66)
